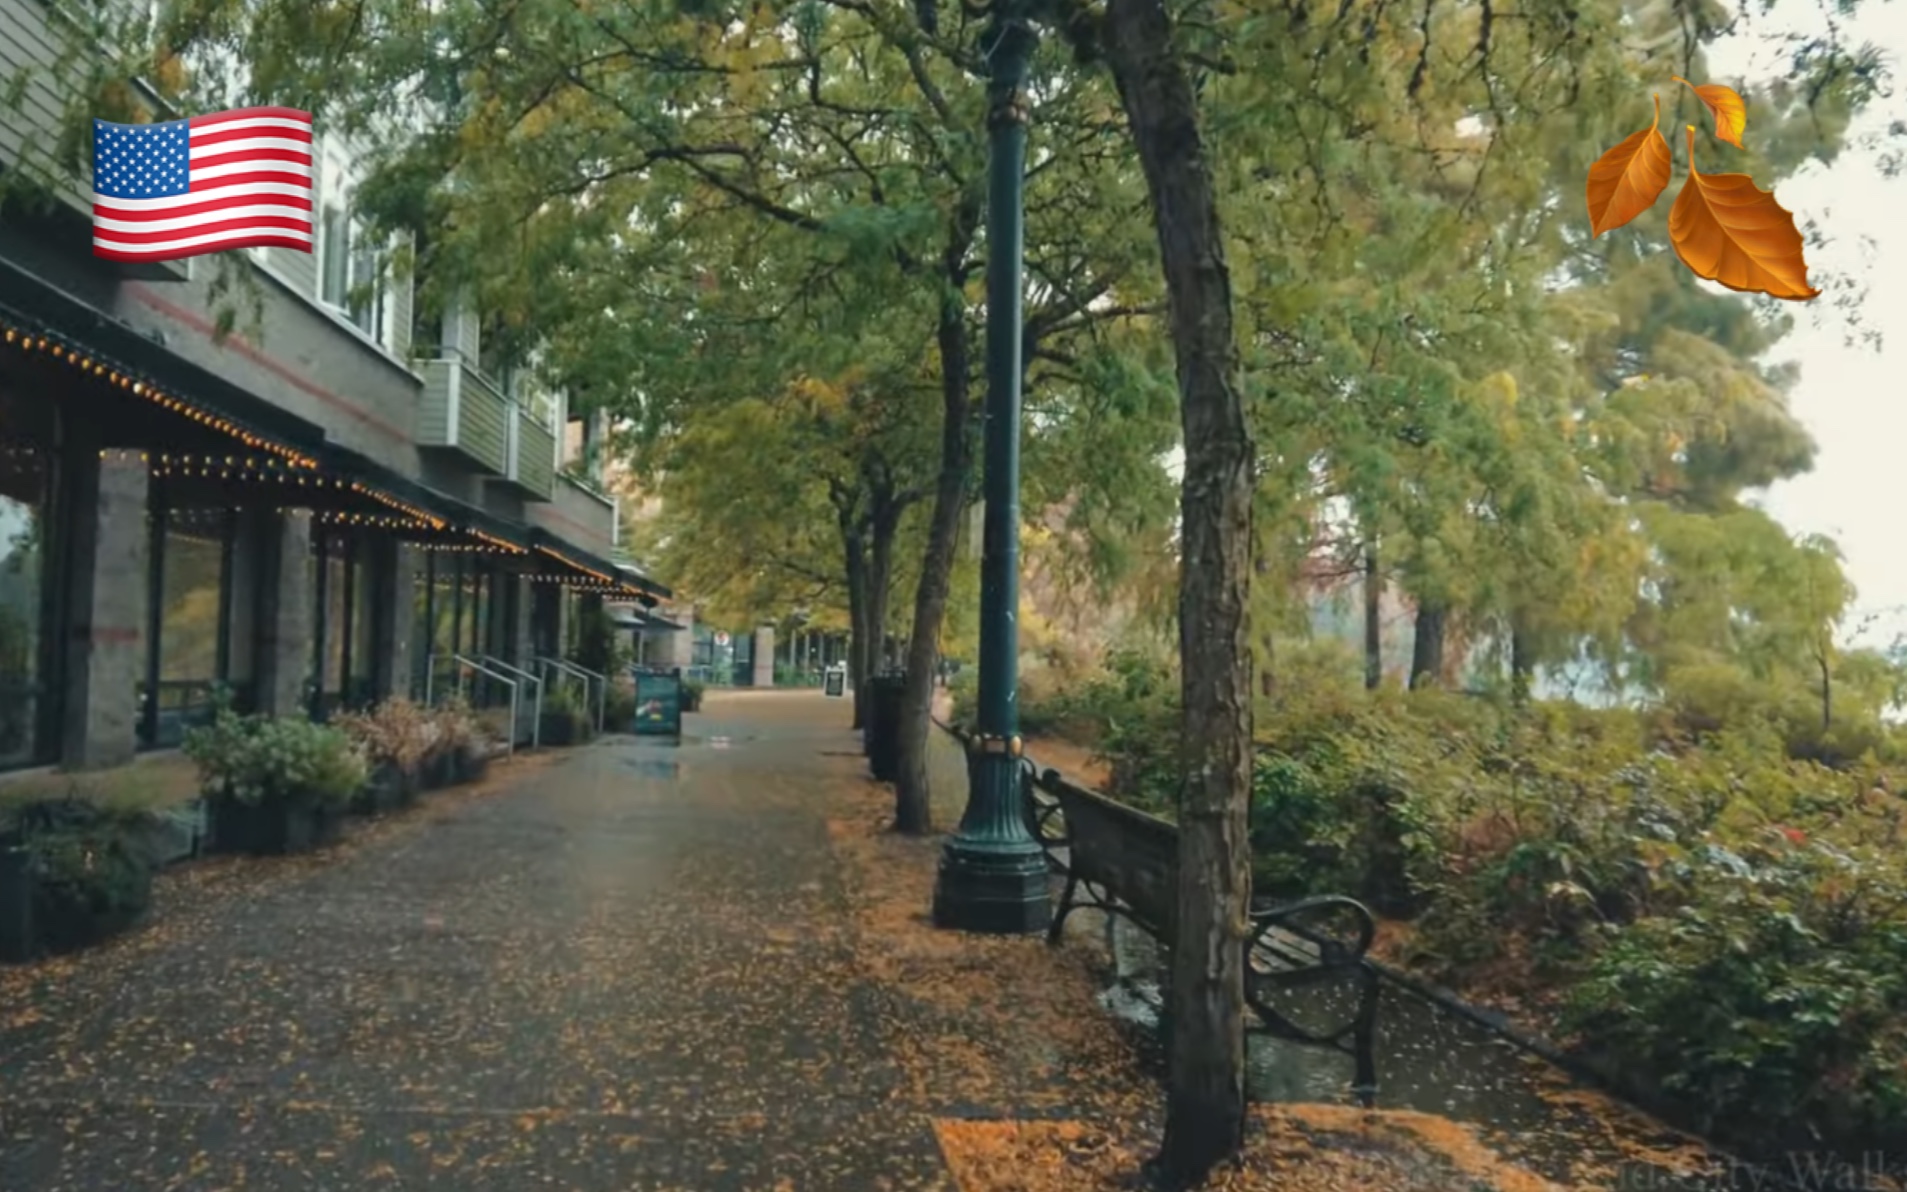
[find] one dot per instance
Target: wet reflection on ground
(1432, 1061)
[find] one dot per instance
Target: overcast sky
(1852, 398)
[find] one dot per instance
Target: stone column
(594, 642)
(248, 538)
(682, 643)
(389, 565)
(106, 593)
(284, 614)
(523, 649)
(546, 618)
(765, 656)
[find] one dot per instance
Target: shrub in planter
(462, 749)
(564, 721)
(71, 874)
(692, 695)
(619, 710)
(275, 785)
(395, 737)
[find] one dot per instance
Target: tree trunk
(1827, 692)
(1205, 1093)
(857, 621)
(913, 807)
(1426, 650)
(883, 525)
(1522, 662)
(1373, 620)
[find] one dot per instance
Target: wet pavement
(627, 970)
(641, 966)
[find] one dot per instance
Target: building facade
(320, 509)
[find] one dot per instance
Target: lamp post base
(991, 890)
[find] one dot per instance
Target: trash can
(884, 724)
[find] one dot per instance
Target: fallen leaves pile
(1032, 1087)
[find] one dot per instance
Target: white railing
(536, 716)
(587, 676)
(462, 667)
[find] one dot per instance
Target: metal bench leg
(1364, 1040)
(1065, 908)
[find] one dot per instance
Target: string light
(276, 462)
(76, 357)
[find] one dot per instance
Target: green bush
(1707, 909)
(619, 709)
(692, 693)
(258, 758)
(92, 869)
(1774, 995)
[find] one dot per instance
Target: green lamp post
(992, 874)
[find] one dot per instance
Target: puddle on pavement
(1432, 1061)
(655, 767)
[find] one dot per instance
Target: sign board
(658, 704)
(835, 682)
(721, 639)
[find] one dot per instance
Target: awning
(40, 320)
(641, 579)
(585, 571)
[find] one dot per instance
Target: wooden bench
(1122, 861)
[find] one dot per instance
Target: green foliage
(1774, 993)
(619, 708)
(257, 759)
(92, 871)
(1714, 914)
(692, 693)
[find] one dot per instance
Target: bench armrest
(1333, 949)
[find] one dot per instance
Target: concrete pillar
(284, 614)
(546, 618)
(248, 538)
(105, 649)
(682, 644)
(593, 643)
(522, 619)
(388, 574)
(764, 656)
(407, 630)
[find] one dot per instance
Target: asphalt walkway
(626, 969)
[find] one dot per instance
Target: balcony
(533, 451)
(462, 411)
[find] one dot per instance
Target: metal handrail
(536, 715)
(583, 672)
(430, 675)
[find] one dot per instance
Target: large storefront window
(188, 605)
(344, 634)
(23, 679)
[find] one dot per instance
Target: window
(367, 291)
(334, 248)
(24, 507)
(187, 598)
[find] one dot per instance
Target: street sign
(721, 639)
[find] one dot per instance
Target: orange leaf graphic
(1627, 180)
(1731, 114)
(1729, 230)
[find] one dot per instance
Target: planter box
(556, 729)
(389, 789)
(274, 827)
(38, 919)
(471, 765)
(177, 835)
(438, 771)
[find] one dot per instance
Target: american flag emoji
(185, 187)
